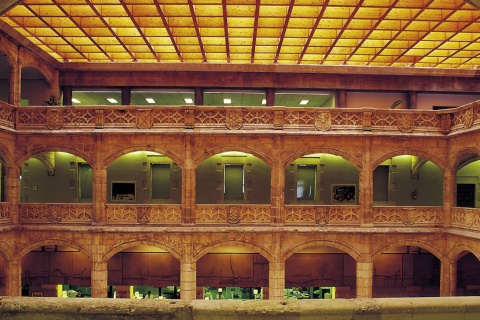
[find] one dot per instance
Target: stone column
(449, 195)
(448, 278)
(364, 279)
(99, 279)
(341, 98)
(188, 185)
(12, 191)
(276, 279)
(99, 187)
(270, 97)
(67, 96)
(188, 278)
(277, 185)
(412, 100)
(365, 193)
(13, 277)
(15, 85)
(198, 100)
(126, 96)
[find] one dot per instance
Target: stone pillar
(188, 278)
(365, 193)
(188, 185)
(13, 277)
(449, 195)
(341, 98)
(277, 189)
(67, 96)
(15, 84)
(198, 100)
(412, 100)
(364, 279)
(12, 191)
(276, 279)
(270, 97)
(448, 278)
(99, 188)
(99, 279)
(126, 96)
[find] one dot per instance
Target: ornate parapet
(5, 213)
(468, 218)
(77, 213)
(232, 214)
(322, 215)
(407, 216)
(144, 214)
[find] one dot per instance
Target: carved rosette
(143, 215)
(234, 119)
(233, 215)
(323, 121)
(54, 119)
(322, 216)
(406, 122)
(408, 217)
(144, 119)
(54, 216)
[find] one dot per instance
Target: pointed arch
(231, 243)
(422, 154)
(337, 152)
(328, 243)
(147, 148)
(251, 151)
(136, 242)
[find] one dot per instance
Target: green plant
(52, 101)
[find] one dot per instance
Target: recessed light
(150, 100)
(75, 100)
(111, 100)
(264, 101)
(188, 100)
(303, 102)
(227, 101)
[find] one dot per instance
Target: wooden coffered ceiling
(398, 33)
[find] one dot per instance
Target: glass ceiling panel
(296, 32)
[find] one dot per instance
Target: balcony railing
(168, 118)
(468, 218)
(144, 214)
(409, 216)
(55, 213)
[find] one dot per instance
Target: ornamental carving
(406, 122)
(144, 119)
(234, 119)
(323, 121)
(322, 216)
(408, 217)
(446, 122)
(467, 117)
(54, 215)
(233, 215)
(143, 214)
(54, 119)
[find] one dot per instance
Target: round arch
(6, 251)
(231, 243)
(30, 153)
(437, 252)
(117, 154)
(332, 151)
(437, 161)
(133, 243)
(465, 156)
(48, 78)
(54, 241)
(457, 251)
(251, 151)
(347, 249)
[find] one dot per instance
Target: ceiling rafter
(339, 35)
(255, 30)
(284, 30)
(197, 29)
(139, 29)
(56, 32)
(444, 18)
(313, 30)
(225, 29)
(82, 30)
(394, 37)
(372, 29)
(92, 6)
(167, 28)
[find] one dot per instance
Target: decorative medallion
(143, 214)
(406, 122)
(322, 216)
(234, 119)
(54, 216)
(54, 119)
(144, 119)
(233, 215)
(323, 121)
(408, 217)
(468, 117)
(446, 122)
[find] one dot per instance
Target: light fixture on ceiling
(75, 100)
(111, 100)
(150, 100)
(188, 100)
(227, 101)
(304, 102)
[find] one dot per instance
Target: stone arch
(6, 251)
(30, 153)
(54, 241)
(465, 156)
(132, 243)
(47, 77)
(7, 53)
(458, 250)
(437, 161)
(236, 243)
(345, 248)
(436, 251)
(251, 151)
(112, 157)
(333, 151)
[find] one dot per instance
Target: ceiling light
(75, 100)
(264, 101)
(188, 100)
(227, 101)
(150, 100)
(111, 100)
(304, 102)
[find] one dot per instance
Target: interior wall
(36, 91)
(470, 174)
(4, 89)
(376, 100)
(426, 101)
(468, 276)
